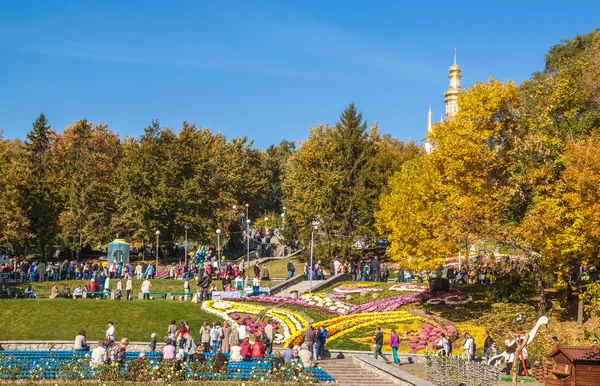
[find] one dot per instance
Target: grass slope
(278, 268)
(61, 319)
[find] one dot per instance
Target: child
(153, 342)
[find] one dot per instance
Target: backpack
(214, 334)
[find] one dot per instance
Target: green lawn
(61, 319)
(278, 268)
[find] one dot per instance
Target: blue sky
(263, 69)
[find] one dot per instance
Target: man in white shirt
(146, 288)
(98, 355)
(129, 288)
(78, 293)
(110, 332)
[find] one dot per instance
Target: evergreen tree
(41, 192)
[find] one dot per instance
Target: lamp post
(157, 234)
(266, 222)
(219, 245)
(283, 219)
(186, 244)
(248, 242)
(312, 247)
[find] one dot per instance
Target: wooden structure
(574, 366)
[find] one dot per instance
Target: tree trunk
(540, 286)
(579, 302)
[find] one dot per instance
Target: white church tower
(450, 100)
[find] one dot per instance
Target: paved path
(348, 373)
(301, 287)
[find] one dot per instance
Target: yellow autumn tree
(564, 226)
(414, 215)
(474, 152)
(14, 223)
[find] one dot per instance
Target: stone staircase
(301, 287)
(348, 373)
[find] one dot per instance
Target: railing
(320, 284)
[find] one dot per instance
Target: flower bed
(342, 325)
(321, 302)
(357, 287)
(431, 297)
(288, 322)
(429, 337)
(408, 288)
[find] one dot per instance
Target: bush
(511, 288)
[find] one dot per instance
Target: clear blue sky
(265, 69)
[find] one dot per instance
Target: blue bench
(47, 364)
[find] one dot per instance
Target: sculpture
(515, 346)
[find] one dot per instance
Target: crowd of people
(222, 342)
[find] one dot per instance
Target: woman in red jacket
(258, 350)
(245, 345)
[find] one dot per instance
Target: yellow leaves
(412, 216)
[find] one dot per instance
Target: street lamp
(283, 219)
(248, 242)
(219, 245)
(312, 247)
(186, 244)
(157, 234)
(266, 222)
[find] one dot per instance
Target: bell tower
(451, 95)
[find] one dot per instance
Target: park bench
(153, 295)
(185, 295)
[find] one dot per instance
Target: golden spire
(451, 95)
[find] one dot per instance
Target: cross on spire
(454, 55)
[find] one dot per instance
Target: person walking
(291, 270)
(129, 288)
(323, 340)
(378, 338)
(110, 334)
(394, 343)
(205, 337)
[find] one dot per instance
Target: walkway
(347, 373)
(301, 287)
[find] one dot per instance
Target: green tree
(274, 161)
(41, 189)
(88, 156)
(336, 178)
